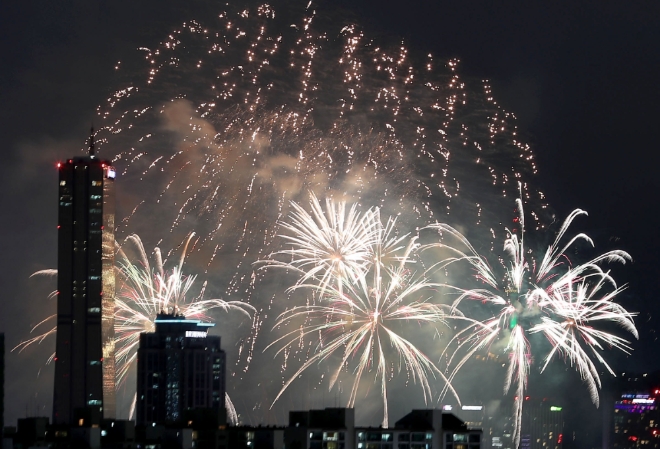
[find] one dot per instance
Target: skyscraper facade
(84, 360)
(180, 368)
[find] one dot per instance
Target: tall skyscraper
(180, 368)
(85, 354)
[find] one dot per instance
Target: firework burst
(561, 301)
(261, 120)
(359, 316)
(147, 290)
(233, 116)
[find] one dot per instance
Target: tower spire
(92, 152)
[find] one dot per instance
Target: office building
(84, 387)
(180, 368)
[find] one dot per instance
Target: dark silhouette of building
(85, 361)
(2, 386)
(419, 429)
(180, 368)
(260, 437)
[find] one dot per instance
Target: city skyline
(604, 218)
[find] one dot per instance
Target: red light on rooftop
(59, 165)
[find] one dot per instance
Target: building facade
(84, 385)
(542, 425)
(637, 420)
(180, 368)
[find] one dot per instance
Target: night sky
(582, 78)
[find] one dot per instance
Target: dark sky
(581, 76)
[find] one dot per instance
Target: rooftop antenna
(92, 152)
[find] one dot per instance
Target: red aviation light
(59, 165)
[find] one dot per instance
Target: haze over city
(432, 113)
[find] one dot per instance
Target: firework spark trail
(560, 301)
(41, 334)
(358, 318)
